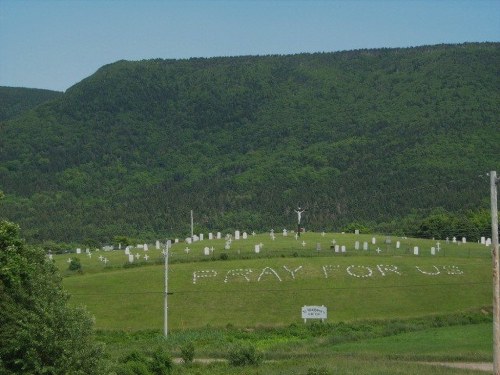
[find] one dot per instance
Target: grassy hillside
(269, 288)
(369, 136)
(389, 310)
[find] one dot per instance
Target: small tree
(39, 332)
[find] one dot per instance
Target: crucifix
(299, 212)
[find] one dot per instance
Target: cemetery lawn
(386, 309)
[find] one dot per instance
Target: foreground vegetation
(365, 347)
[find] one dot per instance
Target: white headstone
(433, 250)
(131, 258)
(176, 240)
(374, 240)
(219, 235)
(120, 246)
(87, 250)
(195, 238)
(356, 231)
(140, 246)
(245, 235)
(78, 251)
(50, 256)
(285, 233)
(337, 248)
(146, 257)
(237, 235)
(488, 242)
(137, 256)
(186, 250)
(318, 246)
(454, 239)
(483, 240)
(210, 236)
(188, 240)
(296, 236)
(303, 243)
(227, 246)
(201, 236)
(464, 240)
(157, 245)
(415, 250)
(257, 248)
(398, 244)
(127, 251)
(146, 248)
(356, 245)
(206, 250)
(342, 249)
(365, 245)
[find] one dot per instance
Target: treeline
(368, 136)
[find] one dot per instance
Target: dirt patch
(480, 366)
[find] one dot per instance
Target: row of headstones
(237, 236)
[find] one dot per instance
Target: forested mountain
(16, 100)
(365, 136)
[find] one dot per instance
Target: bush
(187, 353)
(243, 355)
(75, 265)
(150, 363)
(223, 256)
(161, 362)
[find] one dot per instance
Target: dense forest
(16, 100)
(398, 140)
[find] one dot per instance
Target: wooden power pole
(496, 274)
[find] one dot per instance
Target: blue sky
(54, 44)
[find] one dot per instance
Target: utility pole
(165, 307)
(496, 273)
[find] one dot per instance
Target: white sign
(314, 312)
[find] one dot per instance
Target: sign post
(314, 312)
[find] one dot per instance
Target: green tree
(39, 332)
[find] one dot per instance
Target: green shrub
(223, 256)
(187, 353)
(161, 362)
(75, 265)
(243, 355)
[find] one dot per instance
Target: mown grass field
(270, 288)
(257, 298)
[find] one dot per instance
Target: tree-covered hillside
(16, 100)
(364, 136)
